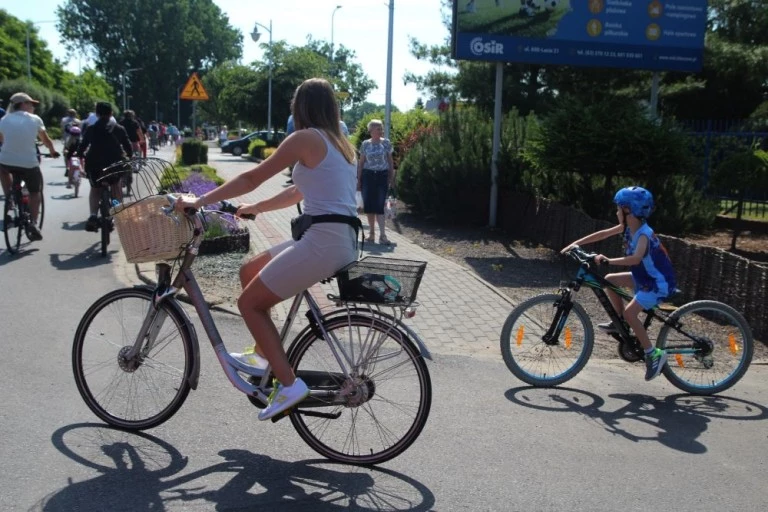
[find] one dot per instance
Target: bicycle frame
(185, 279)
(598, 284)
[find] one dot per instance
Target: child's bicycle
(75, 173)
(136, 355)
(548, 339)
(17, 215)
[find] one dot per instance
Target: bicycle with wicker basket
(136, 354)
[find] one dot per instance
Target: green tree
(353, 115)
(732, 84)
(165, 38)
(241, 92)
(13, 53)
(85, 89)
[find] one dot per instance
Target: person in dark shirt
(104, 143)
(133, 129)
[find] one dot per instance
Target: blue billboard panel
(641, 34)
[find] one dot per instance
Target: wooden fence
(702, 272)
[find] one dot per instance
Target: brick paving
(460, 313)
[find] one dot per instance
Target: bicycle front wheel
(722, 356)
(387, 395)
(540, 362)
(139, 392)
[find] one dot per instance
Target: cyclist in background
(652, 276)
(104, 143)
(19, 130)
(133, 129)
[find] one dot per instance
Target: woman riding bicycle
(325, 178)
(104, 143)
(19, 131)
(651, 276)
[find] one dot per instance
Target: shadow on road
(137, 473)
(91, 257)
(678, 419)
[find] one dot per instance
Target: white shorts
(296, 265)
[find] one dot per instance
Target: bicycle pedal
(282, 415)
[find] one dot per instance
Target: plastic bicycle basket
(380, 280)
(147, 234)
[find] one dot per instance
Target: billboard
(641, 34)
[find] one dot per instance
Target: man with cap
(19, 130)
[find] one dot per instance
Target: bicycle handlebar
(583, 256)
(224, 206)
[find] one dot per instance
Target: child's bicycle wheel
(531, 351)
(709, 349)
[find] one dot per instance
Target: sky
(361, 25)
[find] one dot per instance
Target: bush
(54, 132)
(193, 152)
(446, 167)
(190, 177)
(256, 148)
(403, 124)
(581, 154)
(53, 104)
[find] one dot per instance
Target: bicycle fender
(194, 377)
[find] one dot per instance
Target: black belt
(300, 224)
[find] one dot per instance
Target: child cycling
(651, 274)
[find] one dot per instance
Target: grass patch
(751, 210)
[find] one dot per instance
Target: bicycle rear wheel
(41, 213)
(722, 329)
(387, 396)
(535, 361)
(12, 226)
(106, 225)
(142, 392)
(105, 221)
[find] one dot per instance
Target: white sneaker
(283, 398)
(251, 359)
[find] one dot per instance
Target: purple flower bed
(196, 183)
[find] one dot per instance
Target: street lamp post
(388, 101)
(255, 35)
(125, 98)
(29, 53)
(332, 15)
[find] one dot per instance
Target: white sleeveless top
(330, 186)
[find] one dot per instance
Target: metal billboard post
(496, 144)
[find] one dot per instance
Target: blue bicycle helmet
(637, 199)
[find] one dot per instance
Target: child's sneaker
(654, 362)
(251, 359)
(283, 398)
(608, 327)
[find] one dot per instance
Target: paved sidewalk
(460, 313)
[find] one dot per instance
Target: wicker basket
(148, 234)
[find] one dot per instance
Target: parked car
(239, 146)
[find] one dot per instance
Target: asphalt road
(608, 441)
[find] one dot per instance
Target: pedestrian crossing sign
(194, 90)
